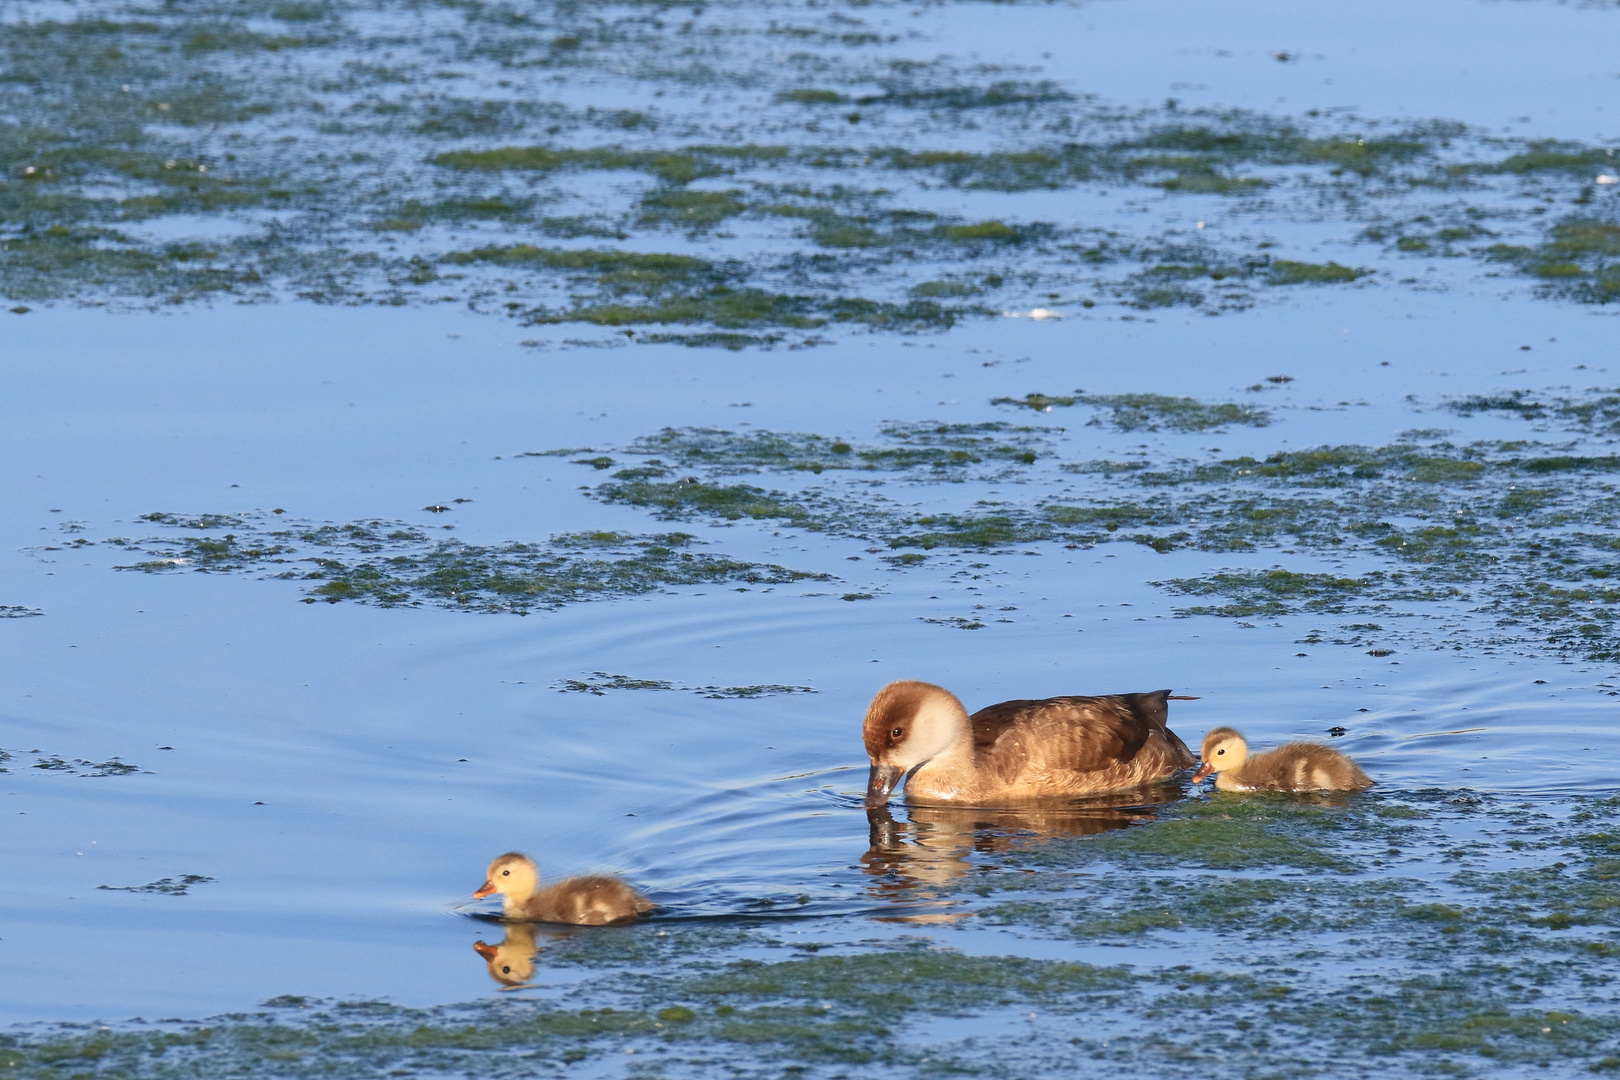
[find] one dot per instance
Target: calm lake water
(336, 776)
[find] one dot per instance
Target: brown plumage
(1299, 766)
(582, 901)
(1017, 750)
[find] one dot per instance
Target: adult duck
(1016, 751)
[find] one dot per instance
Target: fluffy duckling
(1017, 750)
(1298, 766)
(581, 901)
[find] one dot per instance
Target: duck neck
(958, 755)
(947, 716)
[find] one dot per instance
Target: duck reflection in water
(511, 961)
(936, 845)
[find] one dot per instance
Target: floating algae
(677, 499)
(1148, 412)
(78, 766)
(307, 156)
(1450, 525)
(392, 564)
(1269, 592)
(600, 682)
(165, 886)
(1579, 259)
(1594, 415)
(908, 446)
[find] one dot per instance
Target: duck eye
(1218, 753)
(506, 969)
(504, 873)
(897, 732)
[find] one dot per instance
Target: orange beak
(486, 951)
(1204, 770)
(484, 890)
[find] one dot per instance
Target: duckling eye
(898, 732)
(1218, 753)
(504, 873)
(506, 969)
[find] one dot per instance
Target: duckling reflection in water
(1017, 751)
(936, 844)
(581, 901)
(1298, 766)
(511, 962)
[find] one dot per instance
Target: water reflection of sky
(1506, 67)
(342, 767)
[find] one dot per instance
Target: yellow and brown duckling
(1298, 766)
(581, 901)
(1018, 750)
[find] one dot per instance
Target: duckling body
(581, 901)
(1298, 766)
(1017, 750)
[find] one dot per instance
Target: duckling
(1298, 766)
(582, 901)
(511, 960)
(1017, 750)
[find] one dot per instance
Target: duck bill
(484, 890)
(1205, 770)
(880, 784)
(486, 951)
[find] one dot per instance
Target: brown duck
(1298, 766)
(582, 901)
(1017, 750)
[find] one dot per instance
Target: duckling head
(1223, 749)
(908, 724)
(512, 875)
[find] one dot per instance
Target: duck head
(1223, 749)
(907, 725)
(512, 875)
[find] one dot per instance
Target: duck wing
(1075, 734)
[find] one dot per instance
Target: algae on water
(166, 886)
(176, 154)
(1148, 412)
(1448, 524)
(600, 682)
(392, 564)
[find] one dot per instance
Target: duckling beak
(1206, 769)
(880, 783)
(486, 951)
(484, 890)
